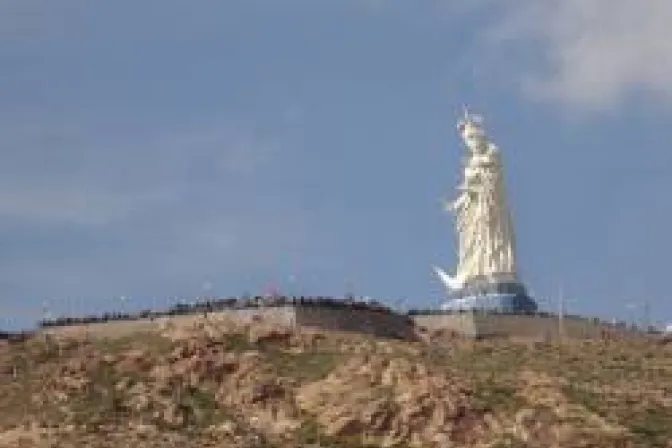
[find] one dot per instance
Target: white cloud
(589, 53)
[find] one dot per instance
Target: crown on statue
(469, 119)
(472, 132)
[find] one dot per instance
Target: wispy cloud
(171, 254)
(584, 54)
(588, 54)
(150, 213)
(61, 174)
(80, 206)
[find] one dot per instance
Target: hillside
(218, 384)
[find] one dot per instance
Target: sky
(168, 149)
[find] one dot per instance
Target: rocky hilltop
(218, 384)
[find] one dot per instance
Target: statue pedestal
(501, 297)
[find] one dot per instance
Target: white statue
(486, 240)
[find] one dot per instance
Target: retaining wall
(522, 326)
(462, 324)
(333, 319)
(365, 321)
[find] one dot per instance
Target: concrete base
(499, 297)
(534, 327)
(501, 303)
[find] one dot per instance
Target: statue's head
(472, 132)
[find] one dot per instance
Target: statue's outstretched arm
(458, 204)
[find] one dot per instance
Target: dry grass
(228, 388)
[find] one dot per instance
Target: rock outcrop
(215, 383)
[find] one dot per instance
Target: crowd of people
(209, 305)
(15, 336)
(213, 305)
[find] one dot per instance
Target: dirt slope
(217, 384)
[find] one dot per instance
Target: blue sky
(155, 149)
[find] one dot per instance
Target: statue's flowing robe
(483, 220)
